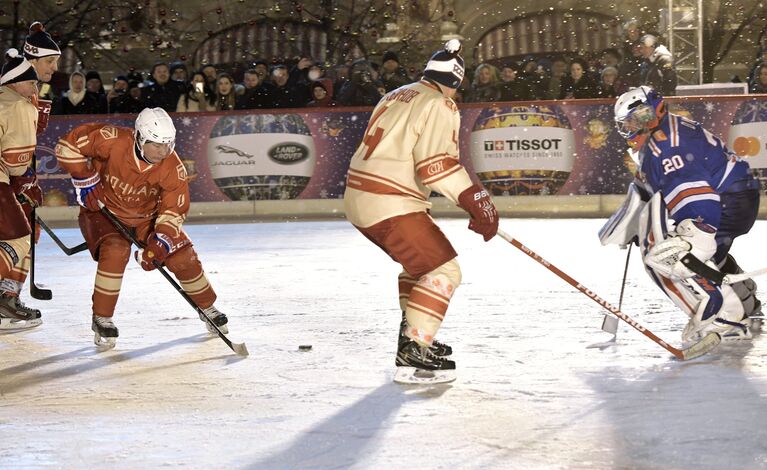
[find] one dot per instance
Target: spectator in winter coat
(514, 88)
(95, 87)
(559, 68)
(198, 98)
(322, 94)
(77, 100)
(361, 89)
(658, 67)
(759, 85)
(178, 72)
(484, 88)
(578, 84)
(131, 101)
(393, 75)
(163, 92)
(225, 94)
(608, 84)
(258, 93)
(284, 95)
(119, 88)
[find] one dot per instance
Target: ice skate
(105, 332)
(14, 315)
(417, 364)
(218, 318)
(437, 348)
(728, 330)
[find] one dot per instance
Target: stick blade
(702, 347)
(40, 294)
(240, 349)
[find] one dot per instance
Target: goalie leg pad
(745, 290)
(429, 300)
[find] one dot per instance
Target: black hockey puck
(305, 347)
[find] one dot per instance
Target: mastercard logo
(746, 146)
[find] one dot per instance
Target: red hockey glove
(26, 188)
(89, 191)
(43, 114)
(158, 247)
(484, 218)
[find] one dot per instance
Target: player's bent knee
(183, 260)
(15, 249)
(445, 278)
(115, 249)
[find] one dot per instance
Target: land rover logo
(288, 152)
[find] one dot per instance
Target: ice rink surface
(530, 394)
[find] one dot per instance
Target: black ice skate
(14, 315)
(416, 364)
(438, 348)
(105, 332)
(218, 318)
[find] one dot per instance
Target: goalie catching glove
(484, 217)
(89, 191)
(695, 238)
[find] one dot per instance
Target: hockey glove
(158, 247)
(484, 217)
(26, 188)
(89, 191)
(43, 114)
(691, 237)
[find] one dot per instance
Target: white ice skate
(105, 332)
(217, 317)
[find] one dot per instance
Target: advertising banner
(532, 148)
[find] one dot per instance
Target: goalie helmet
(638, 112)
(154, 125)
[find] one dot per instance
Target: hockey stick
(238, 348)
(67, 250)
(696, 350)
(36, 292)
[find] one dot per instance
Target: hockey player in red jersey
(138, 177)
(18, 183)
(411, 148)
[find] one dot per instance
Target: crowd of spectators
(303, 82)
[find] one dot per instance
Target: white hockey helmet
(154, 125)
(637, 112)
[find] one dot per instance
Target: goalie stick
(238, 348)
(67, 250)
(698, 349)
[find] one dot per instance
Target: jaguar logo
(288, 152)
(236, 151)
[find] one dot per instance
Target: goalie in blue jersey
(687, 175)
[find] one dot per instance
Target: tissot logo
(521, 144)
(288, 152)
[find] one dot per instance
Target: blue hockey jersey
(690, 167)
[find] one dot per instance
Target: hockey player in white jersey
(410, 148)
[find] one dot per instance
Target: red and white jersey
(135, 191)
(410, 148)
(18, 133)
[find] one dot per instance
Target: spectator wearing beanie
(178, 72)
(95, 87)
(393, 75)
(512, 87)
(322, 94)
